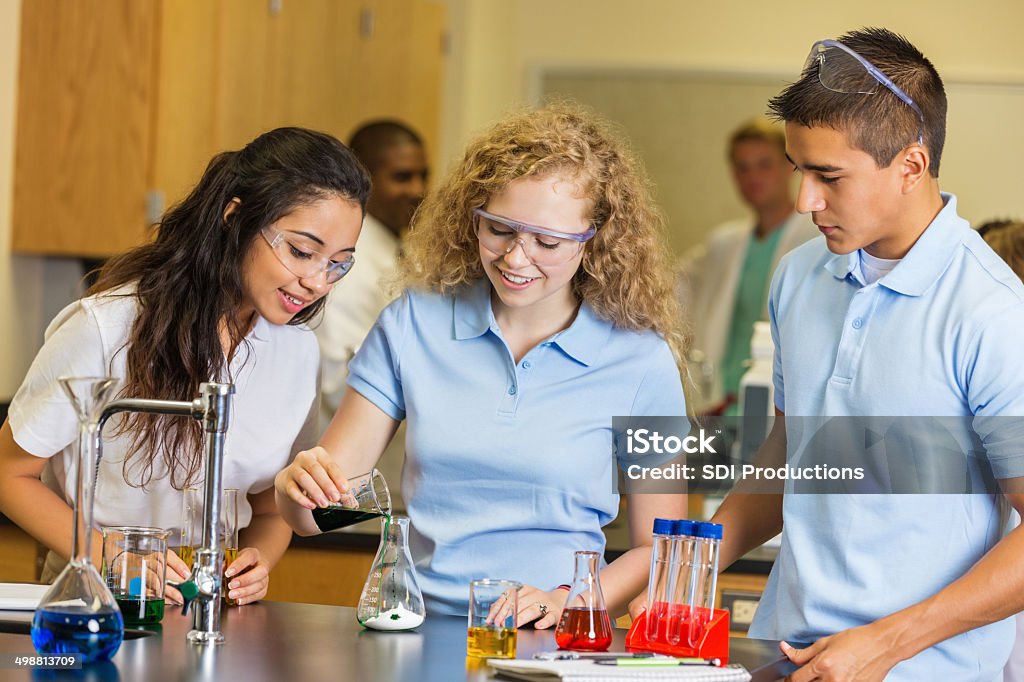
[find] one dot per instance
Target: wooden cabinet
(121, 103)
(84, 128)
(20, 555)
(315, 575)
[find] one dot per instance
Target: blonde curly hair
(625, 276)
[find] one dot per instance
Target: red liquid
(584, 630)
(674, 624)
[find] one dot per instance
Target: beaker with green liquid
(135, 571)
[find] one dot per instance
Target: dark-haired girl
(222, 293)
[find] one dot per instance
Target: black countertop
(278, 641)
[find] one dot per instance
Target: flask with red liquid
(585, 625)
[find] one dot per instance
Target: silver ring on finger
(543, 609)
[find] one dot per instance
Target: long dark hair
(188, 280)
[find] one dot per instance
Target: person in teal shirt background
(724, 281)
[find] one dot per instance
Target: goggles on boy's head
(840, 69)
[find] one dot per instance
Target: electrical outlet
(741, 606)
(743, 611)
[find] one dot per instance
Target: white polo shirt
(273, 413)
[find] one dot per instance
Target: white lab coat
(352, 308)
(709, 276)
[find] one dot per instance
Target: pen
(668, 662)
(591, 656)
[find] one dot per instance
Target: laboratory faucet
(203, 588)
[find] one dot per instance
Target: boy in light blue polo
(900, 310)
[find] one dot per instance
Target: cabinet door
(244, 101)
(314, 44)
(426, 69)
(400, 64)
(84, 139)
(186, 134)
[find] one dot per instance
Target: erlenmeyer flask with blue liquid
(78, 613)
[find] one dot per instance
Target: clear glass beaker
(78, 614)
(493, 608)
(391, 598)
(135, 570)
(229, 535)
(585, 625)
(191, 524)
(367, 498)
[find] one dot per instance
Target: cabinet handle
(155, 202)
(366, 20)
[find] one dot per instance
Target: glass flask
(585, 625)
(391, 598)
(78, 613)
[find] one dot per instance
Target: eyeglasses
(840, 69)
(542, 246)
(304, 261)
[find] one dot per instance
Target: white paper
(588, 671)
(21, 596)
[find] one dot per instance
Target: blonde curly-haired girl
(539, 305)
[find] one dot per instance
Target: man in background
(393, 154)
(724, 281)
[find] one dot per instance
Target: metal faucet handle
(205, 581)
(189, 591)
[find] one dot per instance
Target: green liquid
(339, 517)
(138, 611)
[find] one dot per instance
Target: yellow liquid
(185, 553)
(230, 554)
(491, 642)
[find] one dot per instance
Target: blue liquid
(66, 630)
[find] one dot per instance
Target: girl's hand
(541, 608)
(177, 572)
(247, 577)
(312, 479)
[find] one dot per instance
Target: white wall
(503, 41)
(497, 45)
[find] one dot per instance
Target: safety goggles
(302, 259)
(840, 69)
(541, 245)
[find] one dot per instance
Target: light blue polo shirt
(509, 467)
(940, 335)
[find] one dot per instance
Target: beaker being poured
(78, 613)
(391, 598)
(367, 498)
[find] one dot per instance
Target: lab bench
(330, 568)
(282, 641)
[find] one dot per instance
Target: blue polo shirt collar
(585, 337)
(926, 260)
(472, 310)
(473, 317)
